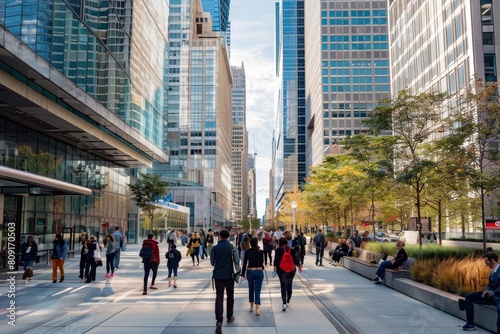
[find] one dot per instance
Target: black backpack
(146, 252)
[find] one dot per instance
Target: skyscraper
(219, 10)
(347, 70)
(290, 162)
(81, 108)
(199, 130)
(239, 144)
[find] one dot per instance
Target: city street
(325, 300)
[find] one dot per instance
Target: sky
(252, 43)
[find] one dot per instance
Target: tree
(145, 192)
(412, 119)
(480, 122)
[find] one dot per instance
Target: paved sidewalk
(325, 300)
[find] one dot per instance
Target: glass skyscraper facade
(91, 44)
(219, 10)
(348, 57)
(290, 158)
(81, 108)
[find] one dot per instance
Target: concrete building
(239, 144)
(199, 130)
(347, 70)
(81, 107)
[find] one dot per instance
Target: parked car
(383, 237)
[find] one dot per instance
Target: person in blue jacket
(58, 255)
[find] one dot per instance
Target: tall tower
(347, 70)
(290, 162)
(199, 126)
(239, 143)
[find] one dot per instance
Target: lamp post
(294, 207)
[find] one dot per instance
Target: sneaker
(175, 286)
(461, 304)
(144, 292)
(230, 319)
(283, 307)
(107, 275)
(469, 326)
(153, 287)
(288, 304)
(112, 275)
(379, 281)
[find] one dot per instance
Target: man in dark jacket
(151, 264)
(222, 258)
(319, 241)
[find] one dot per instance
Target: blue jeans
(116, 261)
(254, 278)
(319, 254)
(202, 250)
(475, 298)
(382, 267)
(28, 264)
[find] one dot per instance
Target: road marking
(68, 289)
(82, 287)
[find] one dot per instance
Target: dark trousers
(90, 268)
(319, 254)
(149, 265)
(83, 260)
(110, 258)
(286, 281)
(475, 298)
(266, 255)
(220, 285)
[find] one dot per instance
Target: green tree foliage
(412, 119)
(146, 190)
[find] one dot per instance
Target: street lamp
(294, 207)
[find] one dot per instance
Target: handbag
(188, 252)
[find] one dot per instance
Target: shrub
(423, 270)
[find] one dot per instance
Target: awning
(17, 182)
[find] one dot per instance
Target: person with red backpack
(286, 258)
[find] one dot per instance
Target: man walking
(150, 263)
(221, 257)
(118, 243)
(319, 241)
(210, 241)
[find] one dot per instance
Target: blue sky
(252, 42)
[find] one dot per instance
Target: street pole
(294, 207)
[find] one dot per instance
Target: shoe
(144, 292)
(316, 263)
(379, 281)
(54, 281)
(117, 267)
(26, 282)
(375, 279)
(218, 328)
(257, 309)
(169, 285)
(80, 277)
(175, 286)
(61, 280)
(461, 304)
(469, 326)
(153, 287)
(283, 307)
(321, 264)
(251, 307)
(230, 319)
(107, 275)
(112, 275)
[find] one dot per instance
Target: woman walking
(286, 277)
(194, 245)
(267, 242)
(90, 265)
(110, 256)
(253, 271)
(83, 253)
(203, 244)
(29, 252)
